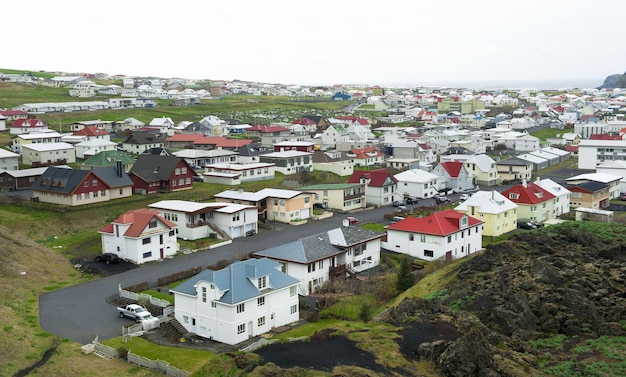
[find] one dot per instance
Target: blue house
(341, 96)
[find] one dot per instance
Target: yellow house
(343, 197)
(499, 214)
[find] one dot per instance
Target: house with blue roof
(243, 300)
(336, 253)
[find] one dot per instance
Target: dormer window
(463, 222)
(513, 195)
(262, 282)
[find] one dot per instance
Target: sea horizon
(539, 84)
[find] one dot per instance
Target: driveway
(81, 312)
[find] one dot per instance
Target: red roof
(263, 128)
(28, 123)
(452, 167)
(363, 152)
(13, 112)
(351, 118)
(139, 220)
(376, 177)
(303, 121)
(572, 148)
(531, 194)
(604, 137)
(440, 223)
(91, 131)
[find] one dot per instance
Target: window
(213, 304)
(241, 308)
(241, 329)
(294, 309)
(449, 239)
(320, 264)
(203, 294)
(94, 182)
(260, 301)
(185, 319)
(261, 321)
(85, 184)
(292, 291)
(177, 171)
(429, 253)
(183, 170)
(311, 267)
(411, 237)
(306, 199)
(423, 238)
(146, 241)
(262, 282)
(147, 254)
(153, 224)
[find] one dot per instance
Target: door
(162, 253)
(448, 255)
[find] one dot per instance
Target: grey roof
(320, 246)
(154, 167)
(514, 161)
(235, 281)
(65, 181)
(589, 186)
(253, 149)
(144, 137)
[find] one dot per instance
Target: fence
(105, 350)
(159, 365)
(142, 296)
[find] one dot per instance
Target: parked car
(395, 219)
(135, 312)
(412, 200)
(526, 224)
(399, 203)
(321, 206)
(107, 258)
(464, 197)
(442, 199)
(622, 196)
(352, 220)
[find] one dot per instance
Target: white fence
(142, 296)
(160, 365)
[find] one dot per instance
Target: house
(294, 145)
(336, 162)
(269, 134)
(13, 180)
(335, 134)
(380, 186)
(107, 159)
(245, 299)
(196, 220)
(98, 129)
(200, 158)
(35, 138)
(155, 173)
(534, 202)
(366, 156)
(592, 153)
(9, 160)
(336, 253)
(482, 168)
(92, 147)
(561, 204)
(613, 181)
(193, 141)
(71, 187)
(128, 124)
(37, 155)
(514, 169)
(614, 168)
(418, 183)
(140, 236)
(285, 206)
(498, 213)
(235, 174)
(344, 197)
(594, 195)
(140, 141)
(446, 234)
(289, 162)
(452, 175)
(12, 115)
(23, 126)
(251, 152)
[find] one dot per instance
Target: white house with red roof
(446, 234)
(269, 134)
(366, 156)
(140, 236)
(380, 186)
(24, 126)
(453, 175)
(534, 202)
(92, 132)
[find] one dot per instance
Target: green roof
(330, 186)
(108, 158)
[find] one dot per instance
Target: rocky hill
(614, 81)
(563, 285)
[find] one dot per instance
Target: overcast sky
(320, 42)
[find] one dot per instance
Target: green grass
(348, 308)
(307, 329)
(182, 358)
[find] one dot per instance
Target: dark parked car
(399, 203)
(526, 224)
(321, 206)
(107, 258)
(622, 196)
(412, 200)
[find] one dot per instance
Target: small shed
(592, 214)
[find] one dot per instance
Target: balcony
(340, 271)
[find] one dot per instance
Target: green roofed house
(345, 197)
(108, 159)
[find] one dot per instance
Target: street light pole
(23, 273)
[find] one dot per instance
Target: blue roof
(234, 280)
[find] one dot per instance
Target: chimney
(118, 168)
(240, 190)
(524, 183)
